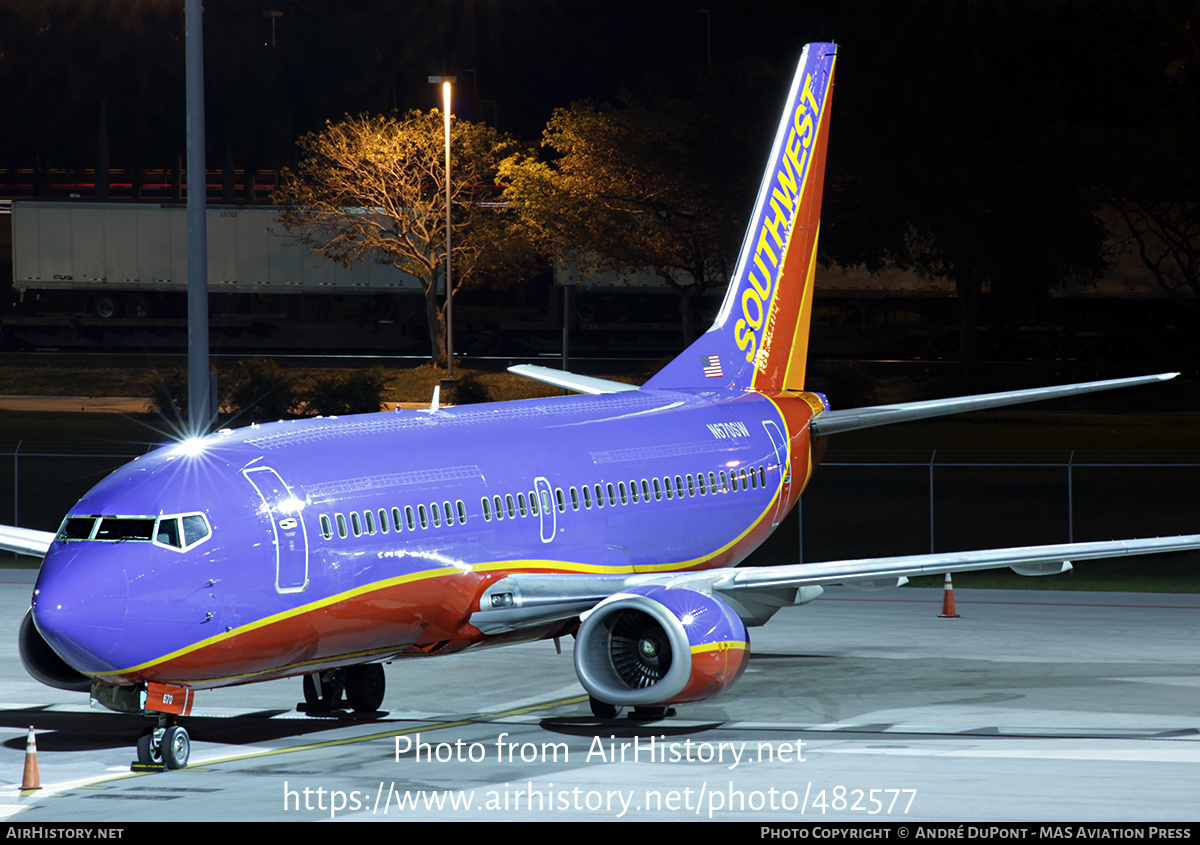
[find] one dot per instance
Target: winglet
(760, 338)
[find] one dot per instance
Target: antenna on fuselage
(437, 398)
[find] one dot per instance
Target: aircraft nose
(79, 608)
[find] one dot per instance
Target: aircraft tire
(176, 747)
(147, 753)
(330, 696)
(365, 686)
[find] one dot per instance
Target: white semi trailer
(125, 258)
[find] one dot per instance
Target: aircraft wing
(26, 541)
(570, 381)
(757, 592)
(850, 419)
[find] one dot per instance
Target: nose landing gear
(165, 746)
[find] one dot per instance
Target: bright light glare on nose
(191, 447)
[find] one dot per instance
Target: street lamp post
(449, 278)
(446, 82)
(200, 391)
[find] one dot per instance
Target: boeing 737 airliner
(324, 548)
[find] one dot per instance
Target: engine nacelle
(660, 645)
(43, 663)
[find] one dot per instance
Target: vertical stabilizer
(760, 338)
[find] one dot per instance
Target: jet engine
(658, 645)
(43, 663)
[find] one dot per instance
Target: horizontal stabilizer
(851, 419)
(570, 381)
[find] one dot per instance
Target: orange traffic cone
(948, 611)
(31, 779)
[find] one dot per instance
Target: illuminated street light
(446, 82)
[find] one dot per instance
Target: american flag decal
(712, 366)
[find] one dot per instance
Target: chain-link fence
(893, 503)
(39, 482)
(857, 505)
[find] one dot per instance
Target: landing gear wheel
(168, 747)
(365, 686)
(328, 696)
(148, 749)
(602, 709)
(176, 747)
(652, 713)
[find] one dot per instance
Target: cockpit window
(167, 533)
(195, 529)
(122, 528)
(181, 531)
(77, 528)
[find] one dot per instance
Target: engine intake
(660, 645)
(43, 663)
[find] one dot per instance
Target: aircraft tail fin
(759, 340)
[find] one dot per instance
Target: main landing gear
(604, 710)
(363, 687)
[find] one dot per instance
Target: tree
(1152, 176)
(968, 164)
(373, 188)
(661, 182)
